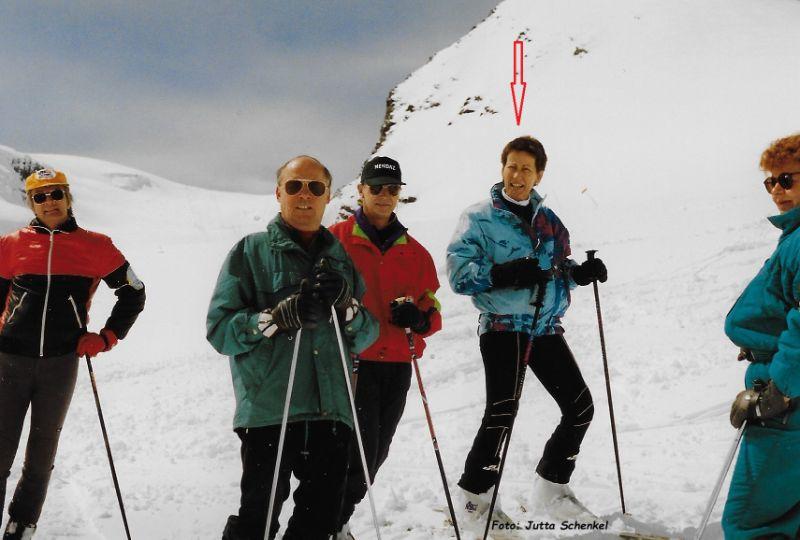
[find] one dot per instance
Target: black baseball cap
(380, 171)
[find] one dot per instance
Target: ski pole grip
(590, 254)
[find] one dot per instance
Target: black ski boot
(19, 531)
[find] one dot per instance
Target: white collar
(526, 202)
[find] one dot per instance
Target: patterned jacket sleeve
(562, 249)
(232, 320)
(468, 265)
(130, 294)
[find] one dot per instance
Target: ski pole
(108, 447)
(714, 494)
(335, 318)
(354, 382)
(422, 393)
(282, 437)
(105, 432)
(590, 256)
(525, 359)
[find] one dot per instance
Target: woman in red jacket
(49, 271)
(394, 266)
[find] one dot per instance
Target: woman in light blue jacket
(764, 496)
(502, 251)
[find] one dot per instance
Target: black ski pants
(380, 399)
(553, 364)
(316, 453)
(46, 386)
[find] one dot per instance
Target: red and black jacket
(47, 280)
(404, 268)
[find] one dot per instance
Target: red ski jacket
(405, 269)
(47, 280)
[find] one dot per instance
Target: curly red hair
(781, 151)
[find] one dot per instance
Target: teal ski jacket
(261, 270)
(764, 496)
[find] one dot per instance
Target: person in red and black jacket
(49, 271)
(394, 266)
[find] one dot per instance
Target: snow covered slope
(653, 136)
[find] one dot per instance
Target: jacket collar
(68, 226)
(282, 235)
(787, 222)
(499, 203)
(393, 234)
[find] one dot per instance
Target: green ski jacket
(261, 270)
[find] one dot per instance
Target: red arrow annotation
(518, 85)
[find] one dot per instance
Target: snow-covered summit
(652, 113)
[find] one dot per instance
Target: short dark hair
(526, 144)
(325, 170)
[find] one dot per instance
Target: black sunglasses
(784, 179)
(56, 195)
(393, 189)
(316, 187)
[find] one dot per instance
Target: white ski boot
(19, 531)
(558, 501)
(472, 509)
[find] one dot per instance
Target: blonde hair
(781, 151)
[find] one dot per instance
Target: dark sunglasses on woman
(316, 187)
(784, 179)
(56, 195)
(393, 189)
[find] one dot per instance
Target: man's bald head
(304, 160)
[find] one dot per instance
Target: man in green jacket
(272, 284)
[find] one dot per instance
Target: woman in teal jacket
(764, 496)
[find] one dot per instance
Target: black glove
(331, 288)
(405, 314)
(300, 310)
(519, 273)
(590, 270)
(760, 403)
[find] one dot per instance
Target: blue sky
(215, 95)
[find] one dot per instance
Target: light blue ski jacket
(489, 234)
